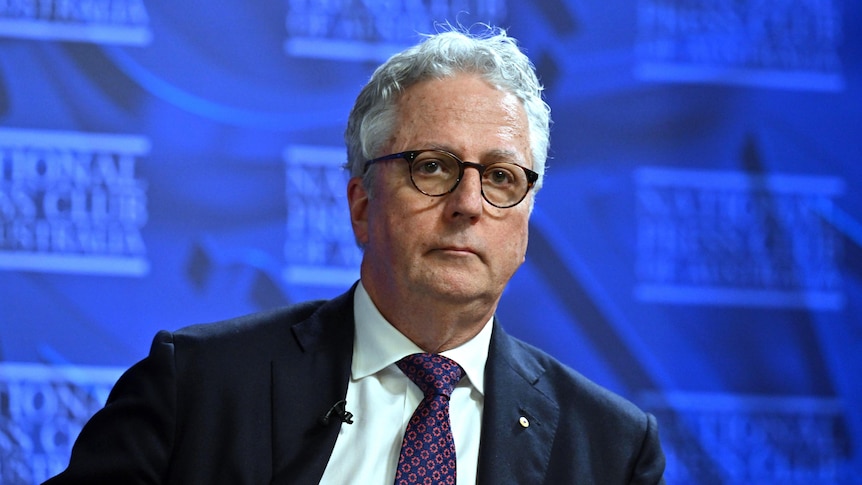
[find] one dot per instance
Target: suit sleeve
(130, 439)
(649, 468)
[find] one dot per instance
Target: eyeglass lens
(436, 173)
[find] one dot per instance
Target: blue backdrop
(697, 246)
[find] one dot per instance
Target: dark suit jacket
(240, 402)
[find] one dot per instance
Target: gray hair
(495, 56)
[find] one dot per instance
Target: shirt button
(525, 423)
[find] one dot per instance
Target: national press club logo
(119, 22)
(70, 202)
(356, 31)
(790, 44)
(714, 237)
(42, 411)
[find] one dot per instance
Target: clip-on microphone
(338, 409)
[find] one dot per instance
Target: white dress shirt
(382, 400)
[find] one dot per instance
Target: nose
(466, 199)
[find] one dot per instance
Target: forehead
(463, 113)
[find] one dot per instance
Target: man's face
(456, 247)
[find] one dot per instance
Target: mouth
(458, 250)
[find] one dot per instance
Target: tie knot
(433, 373)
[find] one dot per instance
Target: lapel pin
(525, 423)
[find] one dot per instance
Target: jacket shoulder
(598, 436)
(573, 390)
(241, 342)
(248, 325)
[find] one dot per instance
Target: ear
(357, 201)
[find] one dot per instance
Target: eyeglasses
(436, 173)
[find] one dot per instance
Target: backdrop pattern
(697, 246)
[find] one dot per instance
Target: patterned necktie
(428, 450)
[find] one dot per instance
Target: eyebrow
(495, 155)
(507, 156)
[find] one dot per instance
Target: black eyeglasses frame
(410, 155)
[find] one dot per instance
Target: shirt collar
(378, 344)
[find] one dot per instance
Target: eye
(426, 167)
(500, 175)
(431, 164)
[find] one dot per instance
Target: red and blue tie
(428, 450)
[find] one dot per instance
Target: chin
(463, 287)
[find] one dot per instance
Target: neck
(445, 334)
(433, 324)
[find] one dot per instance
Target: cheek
(513, 243)
(519, 228)
(522, 251)
(391, 225)
(522, 237)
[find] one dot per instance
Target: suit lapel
(306, 382)
(513, 450)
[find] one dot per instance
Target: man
(446, 147)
